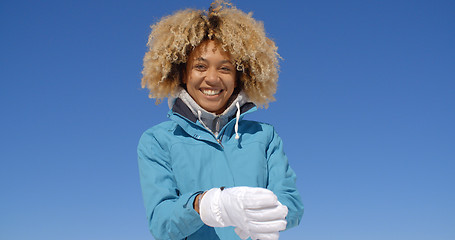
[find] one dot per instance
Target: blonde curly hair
(174, 37)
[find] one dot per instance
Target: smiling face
(210, 76)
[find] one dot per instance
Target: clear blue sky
(365, 105)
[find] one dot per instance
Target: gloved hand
(256, 210)
(255, 236)
(273, 216)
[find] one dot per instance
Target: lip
(220, 91)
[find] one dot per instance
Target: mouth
(211, 92)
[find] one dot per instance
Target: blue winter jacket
(180, 158)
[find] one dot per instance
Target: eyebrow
(205, 60)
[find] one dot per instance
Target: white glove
(255, 236)
(255, 210)
(272, 216)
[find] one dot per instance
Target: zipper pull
(219, 141)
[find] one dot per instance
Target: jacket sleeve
(281, 181)
(170, 214)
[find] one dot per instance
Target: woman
(207, 173)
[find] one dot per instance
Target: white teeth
(210, 92)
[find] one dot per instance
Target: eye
(225, 69)
(199, 67)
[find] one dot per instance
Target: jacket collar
(179, 106)
(184, 117)
(183, 110)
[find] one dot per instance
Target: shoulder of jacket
(261, 130)
(164, 126)
(158, 130)
(252, 123)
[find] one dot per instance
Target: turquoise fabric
(179, 159)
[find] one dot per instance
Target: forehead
(209, 47)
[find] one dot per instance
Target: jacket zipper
(219, 141)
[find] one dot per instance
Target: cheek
(188, 80)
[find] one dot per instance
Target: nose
(212, 76)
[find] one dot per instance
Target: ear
(183, 74)
(237, 78)
(184, 80)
